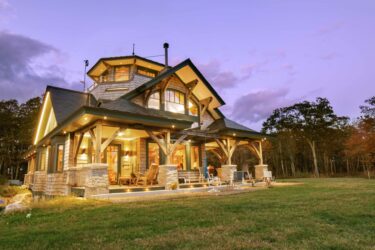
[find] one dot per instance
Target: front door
(113, 161)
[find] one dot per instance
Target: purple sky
(259, 54)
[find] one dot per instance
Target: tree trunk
(292, 166)
(347, 166)
(315, 161)
(281, 159)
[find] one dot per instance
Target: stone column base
(168, 176)
(227, 172)
(259, 171)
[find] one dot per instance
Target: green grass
(321, 214)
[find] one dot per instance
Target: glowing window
(174, 101)
(154, 101)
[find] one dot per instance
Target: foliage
(320, 214)
(17, 123)
(306, 125)
(3, 180)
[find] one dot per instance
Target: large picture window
(43, 159)
(174, 101)
(154, 101)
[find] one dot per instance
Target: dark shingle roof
(225, 124)
(66, 101)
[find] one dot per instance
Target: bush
(3, 180)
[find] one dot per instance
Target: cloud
(224, 79)
(256, 106)
(26, 67)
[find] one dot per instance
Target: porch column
(168, 175)
(228, 149)
(256, 146)
(98, 142)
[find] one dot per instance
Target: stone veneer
(56, 184)
(40, 179)
(93, 177)
(227, 172)
(168, 176)
(259, 171)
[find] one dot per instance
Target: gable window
(146, 72)
(193, 108)
(154, 101)
(174, 101)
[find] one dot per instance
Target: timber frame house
(137, 113)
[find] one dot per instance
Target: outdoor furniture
(189, 176)
(213, 180)
(245, 169)
(150, 177)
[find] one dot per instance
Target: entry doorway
(112, 157)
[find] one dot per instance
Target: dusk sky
(258, 54)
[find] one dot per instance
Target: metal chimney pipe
(166, 46)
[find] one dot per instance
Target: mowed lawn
(320, 214)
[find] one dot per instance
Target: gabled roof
(66, 101)
(225, 123)
(135, 92)
(229, 127)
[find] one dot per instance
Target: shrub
(3, 180)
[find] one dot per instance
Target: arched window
(193, 108)
(174, 101)
(154, 101)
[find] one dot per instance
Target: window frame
(56, 170)
(167, 99)
(159, 92)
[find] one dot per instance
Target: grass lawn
(321, 214)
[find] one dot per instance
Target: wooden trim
(108, 141)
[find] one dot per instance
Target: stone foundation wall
(168, 176)
(40, 179)
(93, 177)
(56, 184)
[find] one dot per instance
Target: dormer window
(146, 72)
(122, 73)
(174, 101)
(116, 74)
(154, 101)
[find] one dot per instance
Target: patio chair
(150, 177)
(245, 169)
(213, 180)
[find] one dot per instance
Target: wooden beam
(179, 140)
(98, 141)
(108, 141)
(77, 144)
(205, 103)
(222, 147)
(158, 141)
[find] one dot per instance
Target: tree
(314, 122)
(17, 123)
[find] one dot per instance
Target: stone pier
(227, 172)
(259, 171)
(168, 176)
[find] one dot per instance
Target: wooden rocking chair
(150, 177)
